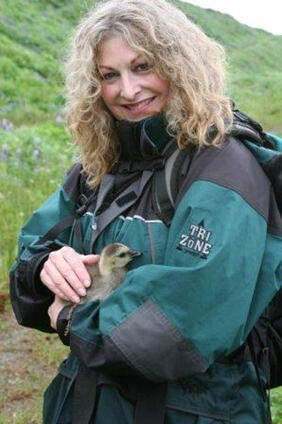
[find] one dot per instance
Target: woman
(143, 83)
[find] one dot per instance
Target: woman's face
(131, 89)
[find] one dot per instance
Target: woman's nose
(130, 87)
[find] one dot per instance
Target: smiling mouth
(135, 107)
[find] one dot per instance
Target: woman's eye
(143, 67)
(109, 76)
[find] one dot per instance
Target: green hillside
(255, 64)
(33, 39)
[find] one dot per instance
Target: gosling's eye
(122, 255)
(143, 67)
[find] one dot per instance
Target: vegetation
(36, 152)
(254, 64)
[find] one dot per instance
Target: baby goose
(106, 275)
(109, 272)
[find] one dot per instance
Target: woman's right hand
(65, 274)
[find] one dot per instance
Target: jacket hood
(264, 154)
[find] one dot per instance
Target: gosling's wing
(93, 271)
(99, 288)
(102, 287)
(96, 290)
(116, 277)
(96, 283)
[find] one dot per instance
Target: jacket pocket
(175, 416)
(180, 408)
(57, 404)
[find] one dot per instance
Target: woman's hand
(65, 274)
(54, 310)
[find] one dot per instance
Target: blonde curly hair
(198, 110)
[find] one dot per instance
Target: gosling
(109, 272)
(105, 276)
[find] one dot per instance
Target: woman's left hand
(54, 310)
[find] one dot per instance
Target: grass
(276, 405)
(25, 183)
(254, 64)
(33, 43)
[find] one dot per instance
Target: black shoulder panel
(275, 216)
(72, 184)
(273, 169)
(232, 166)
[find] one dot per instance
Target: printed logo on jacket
(196, 241)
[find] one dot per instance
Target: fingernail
(82, 291)
(87, 283)
(75, 299)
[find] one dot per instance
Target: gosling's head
(116, 255)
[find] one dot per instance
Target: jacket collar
(142, 140)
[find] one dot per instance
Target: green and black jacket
(185, 305)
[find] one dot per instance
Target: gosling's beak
(134, 253)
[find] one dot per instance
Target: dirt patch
(28, 361)
(3, 300)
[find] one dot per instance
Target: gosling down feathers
(109, 272)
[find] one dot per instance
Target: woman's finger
(66, 266)
(90, 259)
(54, 310)
(64, 280)
(48, 282)
(75, 261)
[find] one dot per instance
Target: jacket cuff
(63, 322)
(28, 274)
(35, 267)
(30, 271)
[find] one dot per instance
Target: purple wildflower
(5, 153)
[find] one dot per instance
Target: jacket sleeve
(30, 298)
(173, 320)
